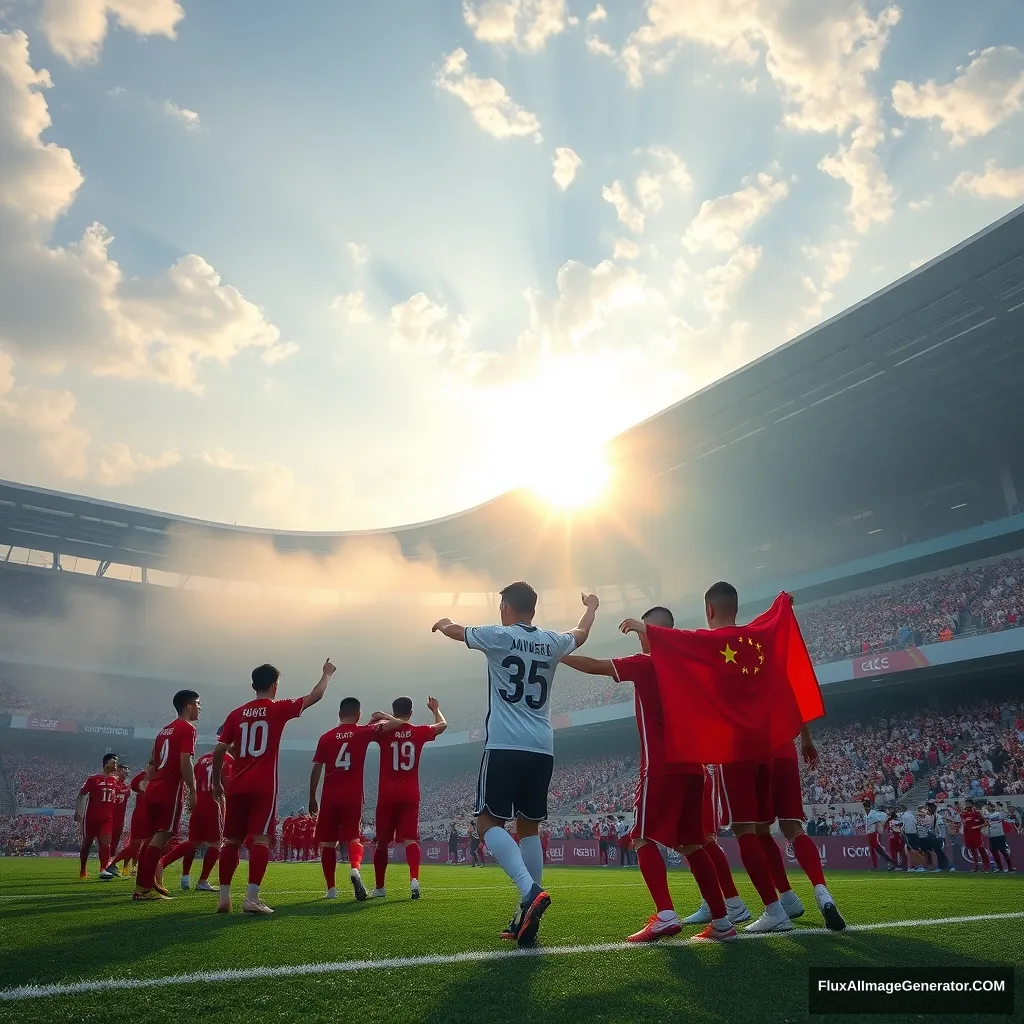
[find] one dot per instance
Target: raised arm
(589, 666)
(583, 627)
(314, 782)
(452, 630)
(317, 693)
(440, 724)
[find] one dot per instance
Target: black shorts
(997, 844)
(912, 841)
(514, 783)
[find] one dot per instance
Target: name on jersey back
(254, 712)
(529, 647)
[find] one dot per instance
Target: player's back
(102, 793)
(204, 774)
(255, 730)
(400, 750)
(521, 662)
(342, 752)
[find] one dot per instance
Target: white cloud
(491, 106)
(597, 14)
(523, 24)
(992, 183)
(189, 118)
(73, 303)
(566, 163)
(831, 264)
(871, 192)
(628, 213)
(983, 95)
(920, 204)
(421, 325)
(352, 307)
(722, 283)
(721, 223)
(598, 46)
(650, 184)
(625, 249)
(117, 464)
(75, 29)
(360, 254)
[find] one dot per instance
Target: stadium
(871, 467)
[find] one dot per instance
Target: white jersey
(874, 821)
(521, 662)
(909, 820)
(995, 821)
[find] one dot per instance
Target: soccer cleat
(332, 894)
(833, 919)
(108, 876)
(148, 895)
(224, 906)
(186, 883)
(377, 894)
(414, 885)
(533, 909)
(791, 904)
(702, 915)
(770, 923)
(658, 928)
(202, 886)
(160, 889)
(256, 906)
(357, 884)
(511, 933)
(737, 910)
(83, 875)
(713, 934)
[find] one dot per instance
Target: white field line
(75, 988)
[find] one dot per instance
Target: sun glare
(574, 482)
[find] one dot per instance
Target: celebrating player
(255, 730)
(669, 804)
(519, 747)
(129, 854)
(170, 770)
(124, 791)
(874, 822)
(340, 757)
(398, 789)
(897, 844)
(94, 811)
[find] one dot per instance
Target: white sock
(508, 855)
(252, 892)
(225, 892)
(722, 924)
(186, 879)
(533, 857)
(734, 902)
(667, 915)
(775, 909)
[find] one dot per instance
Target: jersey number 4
(519, 679)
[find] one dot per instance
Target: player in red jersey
(255, 731)
(170, 772)
(129, 854)
(288, 837)
(205, 826)
(94, 811)
(897, 844)
(398, 791)
(340, 757)
(124, 791)
(974, 846)
(669, 804)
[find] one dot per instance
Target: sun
(573, 481)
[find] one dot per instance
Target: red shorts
(98, 828)
(338, 822)
(747, 792)
(250, 814)
(669, 810)
(711, 814)
(162, 811)
(787, 797)
(398, 821)
(204, 826)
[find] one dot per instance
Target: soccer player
(170, 770)
(398, 787)
(915, 856)
(974, 848)
(519, 746)
(340, 757)
(669, 803)
(255, 731)
(129, 854)
(94, 811)
(124, 791)
(205, 826)
(475, 858)
(874, 822)
(995, 818)
(897, 844)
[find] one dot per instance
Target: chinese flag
(736, 693)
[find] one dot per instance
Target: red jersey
(287, 829)
(173, 740)
(256, 728)
(342, 752)
(972, 822)
(650, 721)
(204, 773)
(400, 763)
(102, 793)
(121, 801)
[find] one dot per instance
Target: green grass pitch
(57, 929)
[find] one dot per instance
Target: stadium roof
(920, 382)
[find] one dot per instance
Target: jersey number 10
(519, 679)
(253, 741)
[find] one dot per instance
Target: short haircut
(723, 597)
(183, 697)
(348, 707)
(264, 677)
(401, 707)
(661, 615)
(520, 597)
(107, 758)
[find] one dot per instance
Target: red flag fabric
(737, 693)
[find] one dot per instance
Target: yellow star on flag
(729, 654)
(745, 670)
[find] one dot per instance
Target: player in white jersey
(994, 818)
(874, 823)
(519, 745)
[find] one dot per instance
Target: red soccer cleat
(713, 934)
(657, 928)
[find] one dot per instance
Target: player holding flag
(519, 748)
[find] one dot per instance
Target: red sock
(329, 861)
(412, 856)
(807, 857)
(873, 848)
(756, 866)
(725, 880)
(228, 862)
(176, 852)
(652, 867)
(380, 864)
(146, 876)
(83, 854)
(984, 858)
(104, 855)
(186, 861)
(704, 874)
(209, 862)
(259, 858)
(355, 854)
(776, 864)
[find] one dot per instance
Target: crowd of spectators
(990, 763)
(46, 781)
(37, 833)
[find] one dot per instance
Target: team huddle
(231, 792)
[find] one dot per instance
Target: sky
(346, 266)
